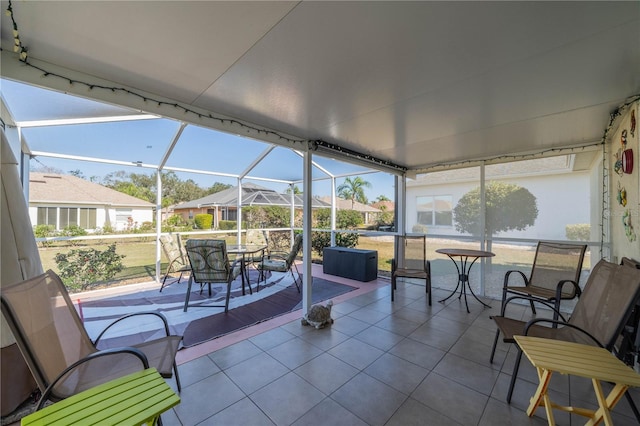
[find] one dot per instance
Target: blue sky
(147, 141)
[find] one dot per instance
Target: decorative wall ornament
(617, 166)
(628, 226)
(622, 195)
(627, 161)
(633, 123)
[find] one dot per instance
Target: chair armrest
(157, 314)
(278, 255)
(107, 352)
(507, 275)
(522, 297)
(236, 268)
(534, 321)
(561, 284)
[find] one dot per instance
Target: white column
(306, 229)
(158, 222)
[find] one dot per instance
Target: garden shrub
(225, 225)
(73, 231)
(320, 240)
(44, 231)
(204, 221)
(578, 232)
(79, 268)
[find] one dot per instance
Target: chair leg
(295, 280)
(186, 300)
(226, 303)
(516, 367)
(393, 287)
(175, 372)
(495, 345)
(633, 405)
(533, 308)
(428, 289)
(164, 280)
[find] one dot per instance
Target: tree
(296, 190)
(77, 173)
(353, 189)
(216, 187)
(143, 186)
(382, 197)
(508, 207)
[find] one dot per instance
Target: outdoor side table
(136, 399)
(463, 270)
(593, 362)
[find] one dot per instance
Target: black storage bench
(356, 264)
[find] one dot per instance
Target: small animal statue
(319, 316)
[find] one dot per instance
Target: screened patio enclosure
(92, 139)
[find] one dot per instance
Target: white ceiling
(415, 83)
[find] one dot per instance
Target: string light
(186, 110)
(313, 145)
(604, 220)
(18, 47)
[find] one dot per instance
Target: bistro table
(463, 270)
(593, 362)
(245, 251)
(136, 399)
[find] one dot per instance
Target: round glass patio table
(463, 266)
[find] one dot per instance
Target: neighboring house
(63, 200)
(223, 205)
(369, 213)
(560, 184)
(384, 206)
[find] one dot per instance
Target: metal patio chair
(177, 256)
(58, 350)
(598, 318)
(210, 265)
(555, 276)
(410, 261)
(284, 263)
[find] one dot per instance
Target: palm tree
(353, 189)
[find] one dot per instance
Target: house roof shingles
(67, 189)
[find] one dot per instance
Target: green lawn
(139, 254)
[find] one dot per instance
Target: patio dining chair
(210, 264)
(58, 350)
(284, 263)
(598, 318)
(410, 261)
(176, 255)
(555, 276)
(257, 237)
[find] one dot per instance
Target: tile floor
(380, 363)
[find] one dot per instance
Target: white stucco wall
(562, 199)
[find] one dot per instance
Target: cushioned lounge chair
(210, 265)
(287, 263)
(176, 255)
